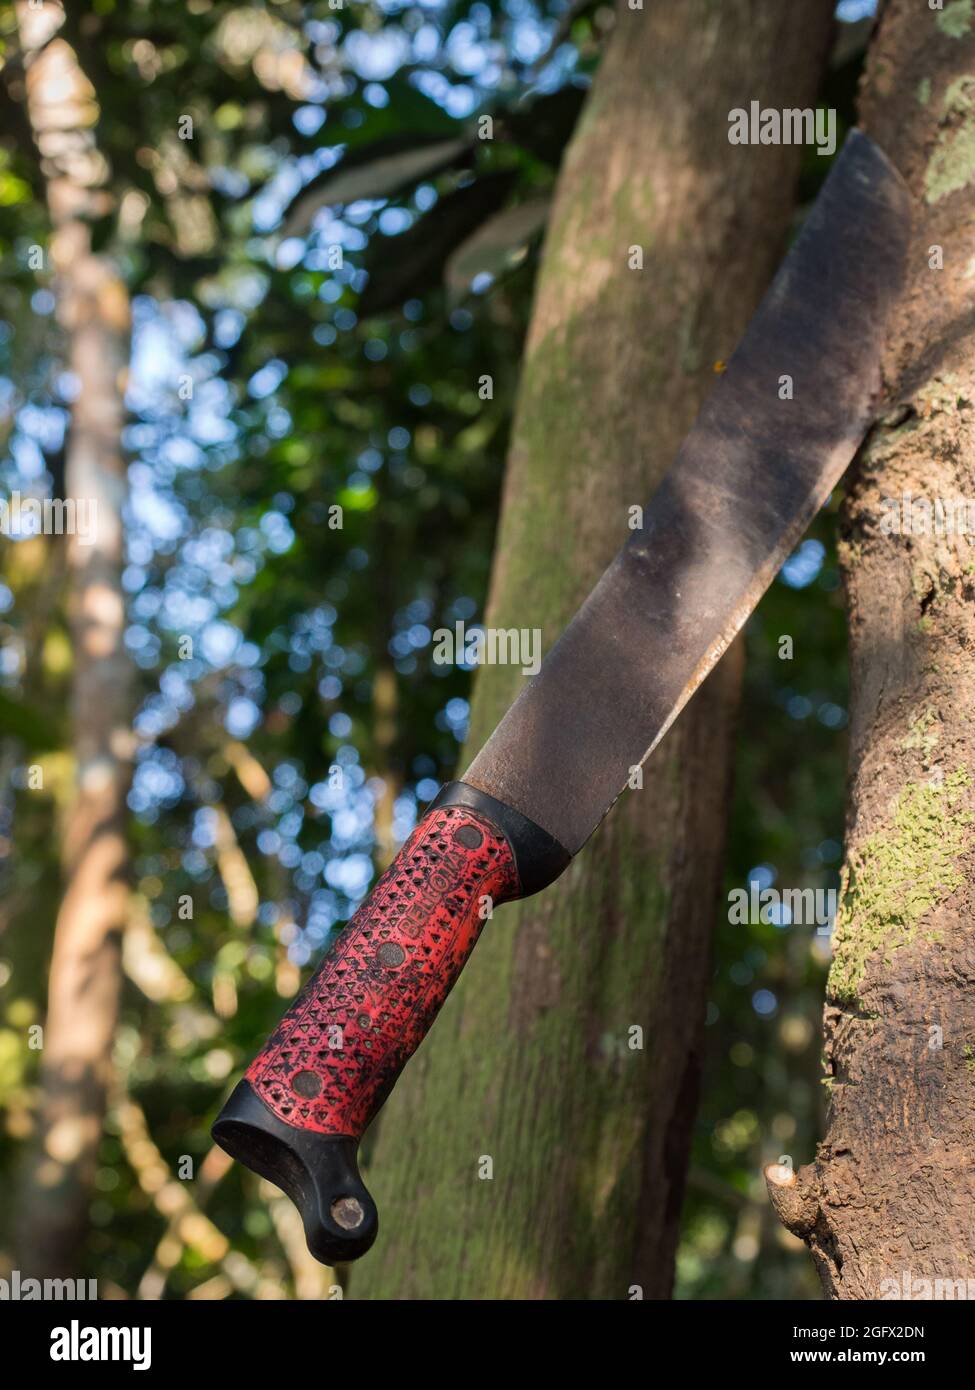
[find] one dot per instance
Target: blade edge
(531, 762)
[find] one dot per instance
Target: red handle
(334, 1057)
(297, 1116)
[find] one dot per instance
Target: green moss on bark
(893, 880)
(952, 165)
(955, 20)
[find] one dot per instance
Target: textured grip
(297, 1116)
(334, 1057)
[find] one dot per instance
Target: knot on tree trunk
(794, 1197)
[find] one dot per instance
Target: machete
(757, 465)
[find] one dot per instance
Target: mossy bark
(533, 1062)
(892, 1189)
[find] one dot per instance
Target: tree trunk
(85, 975)
(889, 1199)
(535, 1061)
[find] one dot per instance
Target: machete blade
(747, 481)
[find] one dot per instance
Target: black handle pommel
(319, 1172)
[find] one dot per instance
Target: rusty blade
(747, 481)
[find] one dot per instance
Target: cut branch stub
(793, 1195)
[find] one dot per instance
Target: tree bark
(533, 1063)
(84, 982)
(887, 1204)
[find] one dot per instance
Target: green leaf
(496, 246)
(371, 172)
(20, 721)
(544, 126)
(408, 110)
(408, 265)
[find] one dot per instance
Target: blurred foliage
(331, 275)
